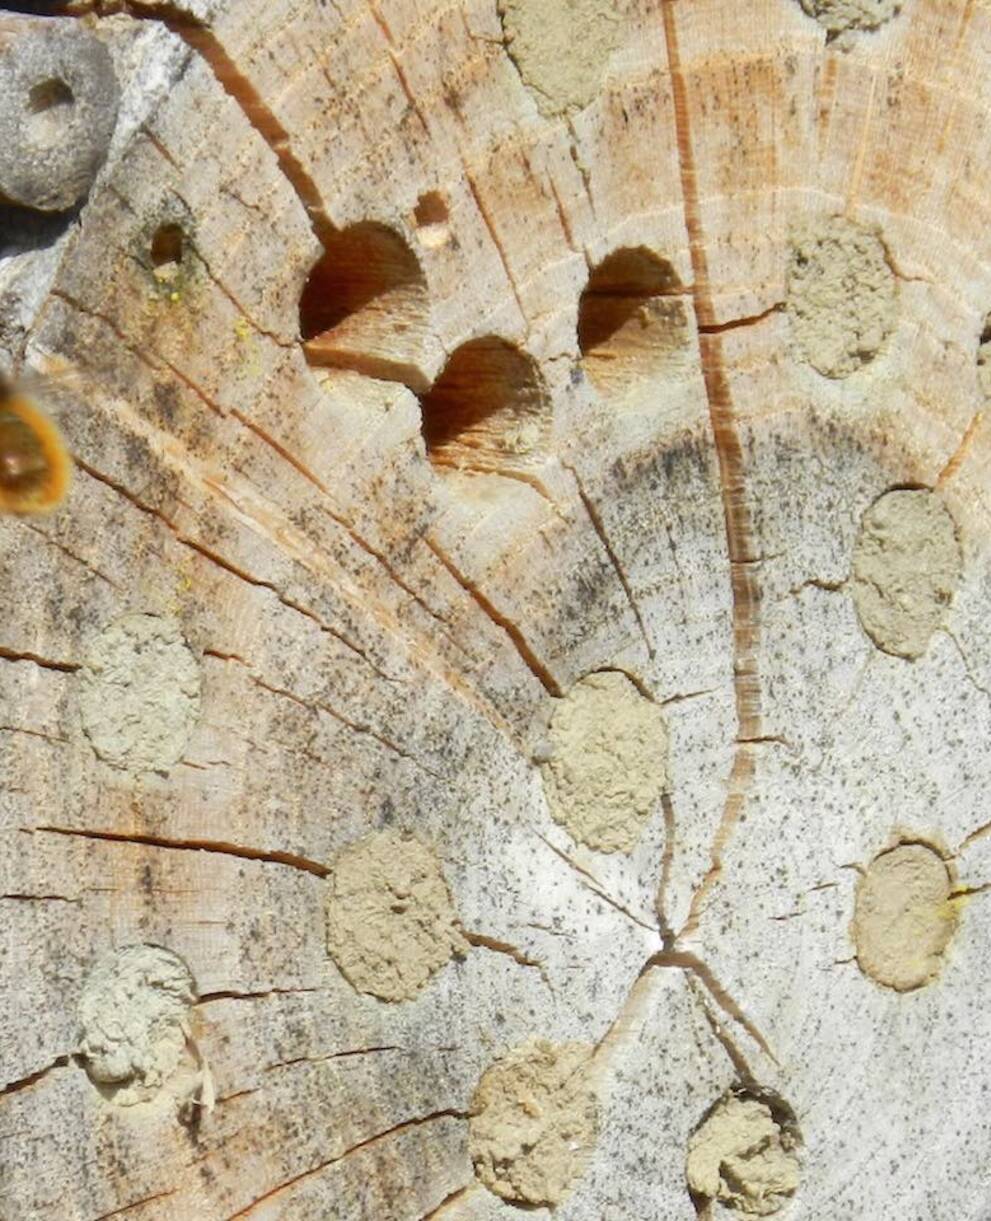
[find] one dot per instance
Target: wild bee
(35, 466)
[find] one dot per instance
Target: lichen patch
(838, 16)
(907, 564)
(745, 1157)
(391, 922)
(904, 916)
(140, 693)
(534, 1121)
(607, 763)
(134, 1014)
(842, 296)
(561, 48)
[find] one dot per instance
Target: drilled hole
(364, 306)
(360, 266)
(166, 251)
(49, 104)
(48, 95)
(487, 410)
(632, 321)
(431, 209)
(431, 216)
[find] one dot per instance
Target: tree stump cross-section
(496, 721)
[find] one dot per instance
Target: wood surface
(394, 528)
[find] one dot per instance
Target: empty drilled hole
(431, 209)
(166, 251)
(487, 410)
(360, 266)
(431, 216)
(632, 321)
(48, 95)
(365, 305)
(48, 105)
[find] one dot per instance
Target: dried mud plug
(35, 467)
(744, 1154)
(140, 693)
(534, 1122)
(58, 108)
(606, 763)
(134, 1014)
(904, 917)
(560, 48)
(842, 295)
(907, 564)
(391, 923)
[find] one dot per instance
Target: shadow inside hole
(487, 410)
(365, 306)
(49, 95)
(167, 243)
(431, 209)
(361, 265)
(631, 319)
(23, 230)
(49, 104)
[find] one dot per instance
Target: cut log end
(495, 721)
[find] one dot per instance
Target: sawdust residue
(742, 1156)
(907, 564)
(391, 922)
(842, 295)
(904, 917)
(561, 48)
(140, 693)
(134, 1014)
(606, 766)
(534, 1121)
(838, 16)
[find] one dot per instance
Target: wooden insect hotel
(497, 722)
